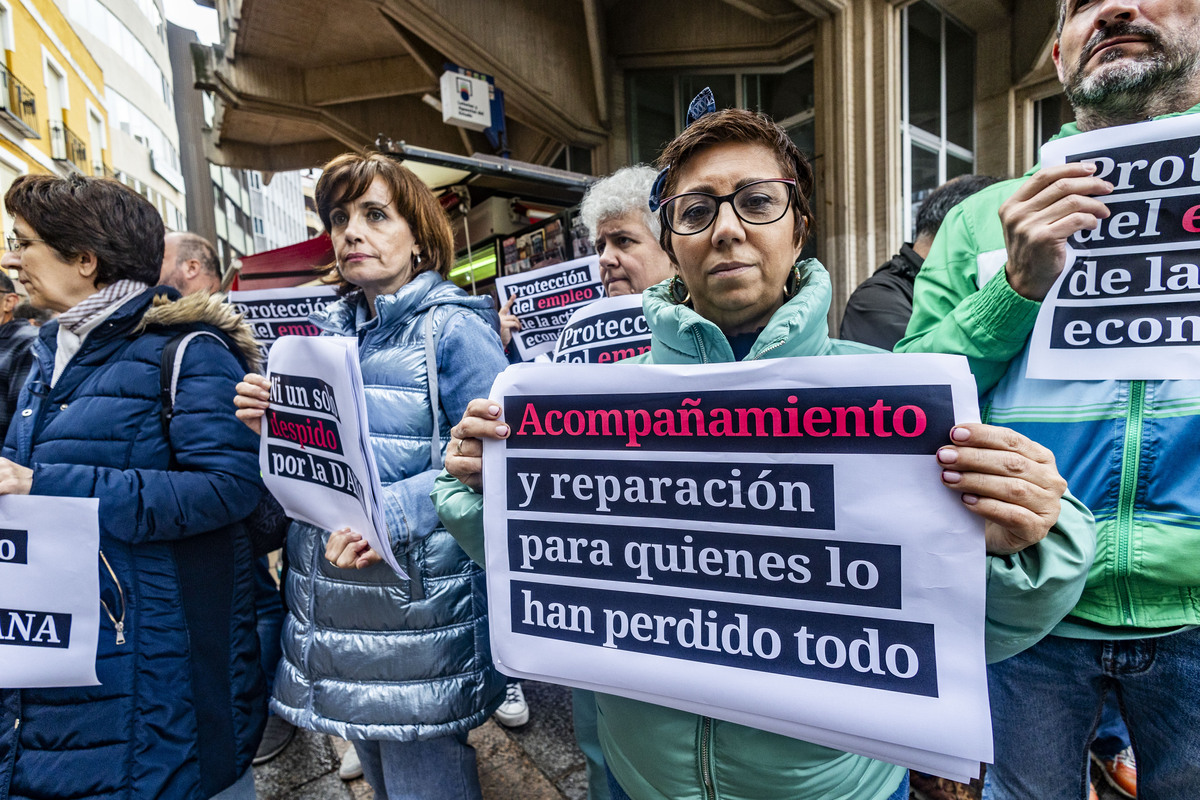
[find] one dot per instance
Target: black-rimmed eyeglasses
(756, 203)
(18, 243)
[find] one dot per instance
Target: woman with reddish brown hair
(399, 666)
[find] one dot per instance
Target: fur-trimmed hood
(206, 309)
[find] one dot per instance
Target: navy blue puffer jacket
(181, 703)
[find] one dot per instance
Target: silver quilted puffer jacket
(367, 655)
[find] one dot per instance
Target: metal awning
(486, 176)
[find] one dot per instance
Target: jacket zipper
(769, 348)
(710, 791)
(118, 622)
(313, 577)
(6, 773)
(700, 345)
(1130, 463)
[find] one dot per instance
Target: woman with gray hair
(617, 214)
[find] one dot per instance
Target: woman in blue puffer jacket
(181, 701)
(400, 667)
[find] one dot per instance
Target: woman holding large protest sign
(399, 666)
(181, 701)
(732, 198)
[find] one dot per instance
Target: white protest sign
(546, 299)
(49, 591)
(770, 545)
(272, 313)
(604, 332)
(1127, 304)
(315, 453)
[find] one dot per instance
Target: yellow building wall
(38, 29)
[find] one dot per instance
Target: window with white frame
(10, 169)
(1049, 115)
(97, 140)
(95, 17)
(938, 103)
(6, 33)
(658, 101)
(129, 118)
(57, 95)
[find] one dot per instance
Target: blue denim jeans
(618, 793)
(583, 717)
(1047, 701)
(430, 769)
(1111, 734)
(268, 604)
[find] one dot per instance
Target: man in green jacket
(1127, 448)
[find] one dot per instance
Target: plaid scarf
(84, 312)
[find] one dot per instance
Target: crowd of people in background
(207, 665)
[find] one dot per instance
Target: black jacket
(16, 339)
(878, 310)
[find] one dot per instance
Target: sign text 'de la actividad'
(545, 300)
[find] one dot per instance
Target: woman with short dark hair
(180, 706)
(399, 666)
(731, 198)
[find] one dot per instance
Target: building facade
(277, 207)
(233, 208)
(312, 220)
(890, 97)
(129, 40)
(53, 116)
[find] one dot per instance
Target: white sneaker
(514, 711)
(351, 767)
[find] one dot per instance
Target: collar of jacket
(128, 316)
(906, 263)
(799, 328)
(348, 316)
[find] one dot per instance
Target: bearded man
(1127, 448)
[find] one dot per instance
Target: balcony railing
(17, 104)
(65, 146)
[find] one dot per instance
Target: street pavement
(537, 761)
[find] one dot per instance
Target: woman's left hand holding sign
(14, 479)
(349, 550)
(1006, 478)
(464, 454)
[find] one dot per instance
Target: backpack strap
(168, 374)
(432, 333)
